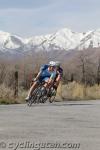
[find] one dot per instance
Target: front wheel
(42, 98)
(34, 97)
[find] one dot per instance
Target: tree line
(83, 69)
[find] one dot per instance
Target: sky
(39, 17)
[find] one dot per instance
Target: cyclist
(59, 74)
(47, 74)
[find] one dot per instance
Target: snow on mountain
(63, 39)
(92, 39)
(9, 42)
(67, 39)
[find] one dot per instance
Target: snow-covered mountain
(64, 39)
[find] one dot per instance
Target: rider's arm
(59, 77)
(60, 74)
(38, 75)
(41, 70)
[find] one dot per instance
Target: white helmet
(57, 63)
(52, 63)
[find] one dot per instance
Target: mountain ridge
(63, 39)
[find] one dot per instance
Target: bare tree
(86, 65)
(98, 72)
(2, 72)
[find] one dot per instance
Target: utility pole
(16, 82)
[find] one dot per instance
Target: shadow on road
(59, 104)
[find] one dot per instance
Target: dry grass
(7, 95)
(71, 91)
(76, 91)
(21, 95)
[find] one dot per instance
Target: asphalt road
(67, 124)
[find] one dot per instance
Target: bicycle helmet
(52, 63)
(57, 64)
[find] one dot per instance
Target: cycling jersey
(46, 74)
(59, 72)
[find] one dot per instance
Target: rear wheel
(52, 95)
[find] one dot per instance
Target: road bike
(41, 95)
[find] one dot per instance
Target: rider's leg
(56, 83)
(48, 84)
(31, 90)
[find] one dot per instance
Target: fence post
(16, 84)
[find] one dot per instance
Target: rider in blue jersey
(47, 73)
